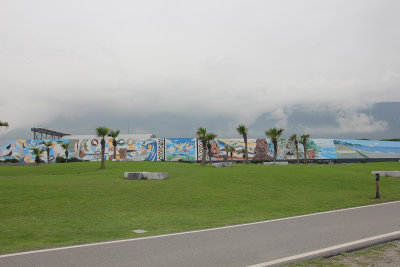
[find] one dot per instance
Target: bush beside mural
(189, 149)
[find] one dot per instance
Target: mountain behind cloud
(170, 67)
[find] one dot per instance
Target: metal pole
(377, 185)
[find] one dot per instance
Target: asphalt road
(239, 245)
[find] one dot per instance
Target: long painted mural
(190, 149)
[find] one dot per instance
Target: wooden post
(377, 185)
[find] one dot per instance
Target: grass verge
(387, 254)
(63, 204)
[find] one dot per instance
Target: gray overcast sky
(209, 63)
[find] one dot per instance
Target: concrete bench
(222, 164)
(276, 163)
(146, 175)
(387, 173)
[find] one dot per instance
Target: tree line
(207, 140)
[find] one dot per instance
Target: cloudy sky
(327, 68)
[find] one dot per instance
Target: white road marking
(188, 232)
(395, 234)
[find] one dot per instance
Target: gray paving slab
(229, 246)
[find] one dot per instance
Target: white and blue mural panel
(359, 149)
(151, 149)
(22, 150)
(180, 149)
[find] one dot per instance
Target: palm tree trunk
(115, 149)
(66, 157)
(103, 148)
(297, 153)
(305, 152)
(48, 156)
(203, 158)
(245, 148)
(209, 153)
(275, 149)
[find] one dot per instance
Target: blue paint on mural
(326, 149)
(22, 150)
(366, 149)
(180, 149)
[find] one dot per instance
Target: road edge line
(189, 232)
(333, 250)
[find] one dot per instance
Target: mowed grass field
(63, 204)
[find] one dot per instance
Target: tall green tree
(48, 145)
(36, 152)
(242, 129)
(293, 139)
(201, 134)
(274, 134)
(102, 132)
(210, 140)
(227, 151)
(303, 141)
(230, 150)
(114, 135)
(66, 148)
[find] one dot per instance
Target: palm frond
(102, 131)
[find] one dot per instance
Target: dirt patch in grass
(383, 255)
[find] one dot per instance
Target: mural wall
(190, 149)
(151, 149)
(356, 149)
(180, 149)
(263, 149)
(22, 150)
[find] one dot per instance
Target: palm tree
(293, 138)
(243, 151)
(230, 149)
(210, 137)
(66, 147)
(114, 135)
(227, 151)
(201, 134)
(102, 131)
(36, 152)
(303, 140)
(242, 129)
(3, 123)
(274, 134)
(48, 145)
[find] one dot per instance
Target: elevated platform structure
(45, 134)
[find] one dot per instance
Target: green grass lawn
(61, 204)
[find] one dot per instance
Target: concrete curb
(334, 250)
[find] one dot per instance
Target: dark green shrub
(255, 161)
(60, 160)
(13, 160)
(75, 160)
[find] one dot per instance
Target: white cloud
(233, 59)
(352, 122)
(360, 123)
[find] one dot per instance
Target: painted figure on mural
(261, 150)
